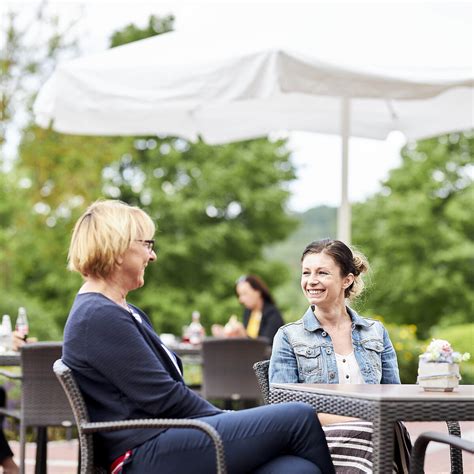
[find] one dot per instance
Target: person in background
(6, 454)
(261, 317)
(331, 343)
(126, 372)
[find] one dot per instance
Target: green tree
(418, 234)
(215, 208)
(31, 42)
(30, 45)
(156, 26)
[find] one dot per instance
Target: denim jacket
(303, 352)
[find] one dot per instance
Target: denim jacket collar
(311, 323)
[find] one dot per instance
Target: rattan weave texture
(332, 404)
(43, 402)
(383, 414)
(87, 428)
(368, 410)
(227, 368)
(261, 372)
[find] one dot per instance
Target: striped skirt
(350, 445)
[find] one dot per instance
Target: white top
(348, 369)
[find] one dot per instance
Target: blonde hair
(349, 261)
(103, 233)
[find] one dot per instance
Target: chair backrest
(79, 409)
(227, 367)
(43, 402)
(261, 372)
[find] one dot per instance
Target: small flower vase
(438, 376)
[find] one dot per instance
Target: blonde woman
(125, 371)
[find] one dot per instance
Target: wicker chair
(86, 428)
(43, 402)
(417, 459)
(261, 372)
(227, 369)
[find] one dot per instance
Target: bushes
(408, 348)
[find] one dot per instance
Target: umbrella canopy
(227, 88)
(225, 91)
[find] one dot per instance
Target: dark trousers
(5, 450)
(279, 438)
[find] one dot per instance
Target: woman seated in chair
(261, 317)
(331, 343)
(125, 371)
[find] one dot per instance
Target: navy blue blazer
(124, 372)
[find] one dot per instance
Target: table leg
(41, 450)
(383, 444)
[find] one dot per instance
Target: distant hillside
(316, 223)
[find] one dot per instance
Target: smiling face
(321, 280)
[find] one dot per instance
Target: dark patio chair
(86, 428)
(43, 402)
(227, 369)
(417, 459)
(261, 372)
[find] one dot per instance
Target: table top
(10, 358)
(184, 349)
(385, 392)
(14, 358)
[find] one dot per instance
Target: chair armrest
(10, 375)
(95, 427)
(419, 448)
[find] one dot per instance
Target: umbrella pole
(344, 212)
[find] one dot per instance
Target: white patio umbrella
(231, 86)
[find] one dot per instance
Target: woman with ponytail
(331, 343)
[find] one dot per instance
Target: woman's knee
(288, 463)
(296, 416)
(300, 410)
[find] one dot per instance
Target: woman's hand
(217, 330)
(234, 328)
(18, 340)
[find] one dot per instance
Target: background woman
(125, 371)
(261, 317)
(331, 343)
